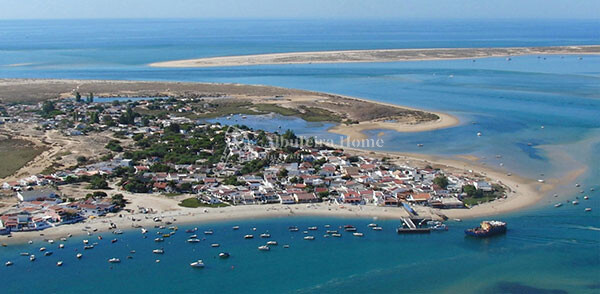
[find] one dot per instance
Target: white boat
(541, 181)
(209, 232)
(223, 255)
(158, 251)
(479, 134)
(24, 253)
(42, 249)
(32, 257)
(458, 220)
(193, 240)
(47, 253)
(144, 231)
(51, 241)
(88, 247)
(61, 246)
(586, 197)
(248, 237)
(558, 205)
(59, 263)
(30, 242)
(194, 236)
(371, 225)
(337, 235)
(114, 260)
(357, 234)
(8, 263)
(79, 255)
(85, 241)
(588, 209)
(309, 237)
(377, 228)
(215, 245)
(327, 226)
(264, 248)
(265, 235)
(272, 243)
(236, 227)
(286, 246)
(197, 264)
(575, 202)
(159, 240)
(312, 228)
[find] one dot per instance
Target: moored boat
(357, 234)
(487, 229)
(264, 248)
(197, 264)
(193, 240)
(223, 255)
(248, 236)
(272, 242)
(114, 260)
(309, 237)
(59, 263)
(8, 263)
(158, 251)
(79, 255)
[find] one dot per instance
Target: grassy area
(14, 154)
(195, 203)
(306, 113)
(471, 201)
(171, 194)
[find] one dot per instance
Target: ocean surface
(547, 249)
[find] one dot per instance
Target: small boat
(51, 241)
(215, 245)
(114, 260)
(59, 263)
(158, 251)
(79, 255)
(331, 232)
(337, 235)
(458, 220)
(85, 241)
(293, 229)
(309, 237)
(99, 237)
(86, 247)
(132, 251)
(197, 264)
(588, 209)
(30, 242)
(193, 240)
(144, 231)
(558, 205)
(118, 232)
(479, 134)
(575, 202)
(586, 197)
(372, 225)
(357, 234)
(286, 246)
(32, 257)
(265, 235)
(113, 241)
(166, 235)
(377, 228)
(312, 228)
(272, 243)
(327, 226)
(193, 236)
(224, 255)
(236, 228)
(159, 240)
(419, 145)
(264, 248)
(157, 261)
(24, 253)
(541, 181)
(209, 232)
(349, 228)
(248, 237)
(42, 249)
(47, 253)
(577, 185)
(8, 263)
(61, 246)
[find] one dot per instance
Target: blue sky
(337, 9)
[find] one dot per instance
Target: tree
(90, 98)
(118, 200)
(94, 117)
(97, 182)
(472, 191)
(77, 97)
(81, 159)
(282, 173)
(441, 181)
(47, 107)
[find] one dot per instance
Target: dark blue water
(547, 250)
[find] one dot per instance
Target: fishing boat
(61, 246)
(42, 249)
(357, 234)
(588, 209)
(264, 248)
(158, 251)
(312, 228)
(309, 237)
(8, 263)
(337, 235)
(586, 197)
(272, 243)
(192, 240)
(166, 235)
(32, 257)
(86, 247)
(372, 225)
(47, 253)
(487, 229)
(558, 205)
(197, 264)
(24, 253)
(51, 241)
(209, 232)
(224, 255)
(377, 228)
(248, 236)
(114, 260)
(293, 229)
(159, 240)
(215, 245)
(85, 241)
(265, 235)
(59, 263)
(193, 236)
(575, 202)
(236, 228)
(286, 246)
(79, 255)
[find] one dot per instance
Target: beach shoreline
(375, 55)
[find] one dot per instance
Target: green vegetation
(113, 145)
(475, 196)
(15, 153)
(441, 181)
(195, 203)
(97, 182)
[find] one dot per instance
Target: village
(215, 165)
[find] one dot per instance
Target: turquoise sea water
(547, 250)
